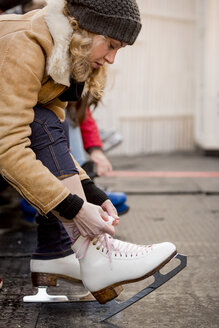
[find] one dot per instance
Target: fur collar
(58, 66)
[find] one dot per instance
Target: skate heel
(107, 294)
(43, 279)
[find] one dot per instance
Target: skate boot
(108, 263)
(46, 272)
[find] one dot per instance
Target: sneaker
(110, 139)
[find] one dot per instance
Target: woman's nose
(110, 56)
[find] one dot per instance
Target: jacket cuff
(93, 194)
(90, 149)
(70, 206)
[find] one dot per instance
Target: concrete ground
(172, 198)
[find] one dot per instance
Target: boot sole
(50, 279)
(112, 291)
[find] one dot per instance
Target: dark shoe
(89, 169)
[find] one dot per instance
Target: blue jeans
(76, 144)
(50, 143)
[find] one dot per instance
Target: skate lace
(107, 244)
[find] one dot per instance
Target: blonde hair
(80, 48)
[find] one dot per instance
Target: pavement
(172, 197)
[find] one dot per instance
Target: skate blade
(43, 297)
(159, 280)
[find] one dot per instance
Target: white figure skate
(45, 273)
(105, 265)
(108, 263)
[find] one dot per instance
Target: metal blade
(43, 297)
(160, 279)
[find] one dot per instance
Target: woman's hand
(108, 207)
(91, 220)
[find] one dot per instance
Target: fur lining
(58, 66)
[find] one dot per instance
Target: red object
(164, 174)
(89, 131)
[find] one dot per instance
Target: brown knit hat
(117, 19)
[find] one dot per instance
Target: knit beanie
(117, 19)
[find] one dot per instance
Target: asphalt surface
(172, 198)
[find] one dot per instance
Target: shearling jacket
(34, 68)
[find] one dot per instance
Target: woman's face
(103, 50)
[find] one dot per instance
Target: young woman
(48, 57)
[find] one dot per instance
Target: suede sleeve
(22, 66)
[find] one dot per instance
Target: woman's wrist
(70, 206)
(93, 194)
(90, 150)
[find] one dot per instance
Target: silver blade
(160, 279)
(43, 297)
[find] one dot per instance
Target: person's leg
(3, 185)
(50, 145)
(77, 150)
(76, 144)
(53, 253)
(52, 240)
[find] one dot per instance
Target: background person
(84, 136)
